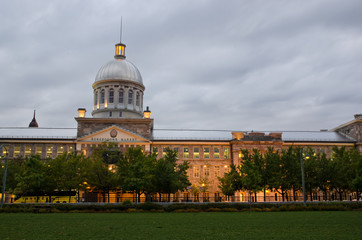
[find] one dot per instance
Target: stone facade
(142, 127)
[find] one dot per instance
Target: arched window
(111, 95)
(102, 96)
(120, 96)
(138, 99)
(96, 98)
(130, 97)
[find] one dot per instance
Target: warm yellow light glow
(225, 166)
(85, 183)
(81, 112)
(147, 114)
(110, 168)
(106, 104)
(267, 191)
(203, 184)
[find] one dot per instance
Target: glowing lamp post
(81, 112)
(147, 113)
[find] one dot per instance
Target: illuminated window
(206, 170)
(206, 152)
(226, 168)
(96, 98)
(241, 155)
(164, 150)
(217, 171)
(216, 153)
(120, 96)
(102, 96)
(196, 153)
(17, 151)
(111, 96)
(27, 150)
(137, 99)
(226, 153)
(60, 150)
(49, 151)
(71, 149)
(196, 171)
(4, 151)
(186, 152)
(130, 97)
(38, 150)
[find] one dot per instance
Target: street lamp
(5, 173)
(302, 157)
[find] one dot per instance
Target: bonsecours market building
(119, 116)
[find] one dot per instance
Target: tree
(100, 174)
(135, 170)
(343, 174)
(168, 176)
(273, 174)
(231, 181)
(67, 171)
(33, 178)
(251, 177)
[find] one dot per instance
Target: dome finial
(33, 122)
(120, 47)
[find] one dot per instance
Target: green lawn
(205, 225)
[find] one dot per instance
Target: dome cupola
(118, 88)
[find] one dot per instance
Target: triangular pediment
(113, 134)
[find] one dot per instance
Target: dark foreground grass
(220, 225)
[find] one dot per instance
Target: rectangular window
(196, 171)
(27, 150)
(164, 150)
(4, 152)
(217, 171)
(206, 171)
(186, 152)
(38, 150)
(226, 153)
(216, 153)
(130, 97)
(17, 151)
(226, 168)
(120, 96)
(196, 153)
(49, 151)
(206, 153)
(111, 96)
(60, 150)
(71, 149)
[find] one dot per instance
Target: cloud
(206, 64)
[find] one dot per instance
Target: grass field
(220, 225)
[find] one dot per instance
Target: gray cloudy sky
(242, 65)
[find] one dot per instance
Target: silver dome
(119, 70)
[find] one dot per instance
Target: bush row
(181, 207)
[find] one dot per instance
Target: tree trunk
(264, 195)
(283, 195)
